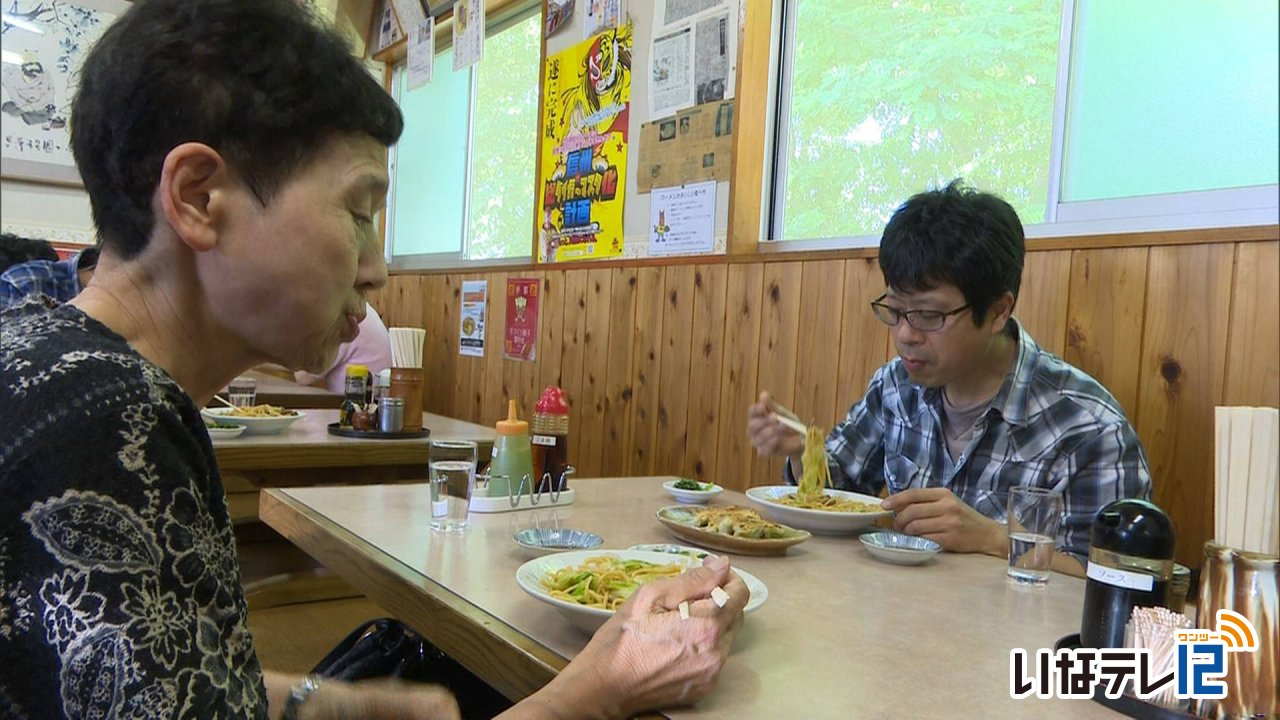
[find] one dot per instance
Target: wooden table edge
(508, 660)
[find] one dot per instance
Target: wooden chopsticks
(789, 419)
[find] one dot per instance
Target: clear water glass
(242, 392)
(1034, 517)
(452, 466)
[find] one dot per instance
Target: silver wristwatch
(298, 694)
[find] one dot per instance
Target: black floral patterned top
(120, 591)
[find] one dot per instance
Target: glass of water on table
(1034, 516)
(452, 466)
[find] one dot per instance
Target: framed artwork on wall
(45, 43)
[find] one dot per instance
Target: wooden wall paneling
(493, 392)
(1184, 348)
(1104, 318)
(550, 329)
(673, 393)
(402, 301)
(575, 327)
(1042, 301)
(595, 371)
(462, 396)
(818, 345)
(864, 340)
(735, 457)
(618, 410)
(647, 368)
(779, 337)
(1253, 350)
(437, 367)
(705, 362)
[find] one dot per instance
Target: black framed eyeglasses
(923, 320)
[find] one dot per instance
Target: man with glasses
(971, 407)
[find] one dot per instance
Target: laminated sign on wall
(582, 170)
(691, 146)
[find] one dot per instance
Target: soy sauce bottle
(1130, 565)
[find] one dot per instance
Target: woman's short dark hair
(263, 82)
(956, 236)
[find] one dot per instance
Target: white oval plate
(529, 577)
(694, 497)
(254, 425)
(823, 522)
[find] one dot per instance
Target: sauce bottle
(512, 455)
(550, 438)
(1130, 565)
(357, 388)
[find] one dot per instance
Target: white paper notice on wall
(683, 219)
(422, 53)
(468, 33)
(671, 73)
(471, 330)
(409, 13)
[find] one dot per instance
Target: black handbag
(387, 648)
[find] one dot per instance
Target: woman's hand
(646, 656)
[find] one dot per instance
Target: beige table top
(308, 444)
(841, 635)
(287, 393)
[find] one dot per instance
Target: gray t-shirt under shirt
(959, 424)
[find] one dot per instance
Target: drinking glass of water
(242, 392)
(1034, 516)
(452, 467)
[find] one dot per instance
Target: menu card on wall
(471, 331)
(468, 33)
(422, 53)
(521, 334)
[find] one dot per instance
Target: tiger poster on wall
(583, 166)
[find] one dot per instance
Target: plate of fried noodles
(256, 419)
(813, 504)
(588, 586)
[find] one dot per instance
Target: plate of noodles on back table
(731, 529)
(256, 419)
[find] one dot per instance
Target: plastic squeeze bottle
(512, 455)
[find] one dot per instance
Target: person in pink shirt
(372, 348)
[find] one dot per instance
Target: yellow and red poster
(521, 335)
(583, 167)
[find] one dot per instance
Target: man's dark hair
(956, 236)
(263, 82)
(15, 250)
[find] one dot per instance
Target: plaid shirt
(1050, 425)
(58, 280)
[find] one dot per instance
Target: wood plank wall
(661, 362)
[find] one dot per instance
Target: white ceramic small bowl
(542, 541)
(693, 497)
(217, 433)
(900, 548)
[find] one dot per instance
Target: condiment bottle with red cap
(551, 437)
(511, 456)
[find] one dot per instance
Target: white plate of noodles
(607, 577)
(256, 419)
(848, 512)
(813, 505)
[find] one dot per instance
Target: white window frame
(1231, 207)
(458, 259)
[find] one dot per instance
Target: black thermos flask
(1130, 565)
